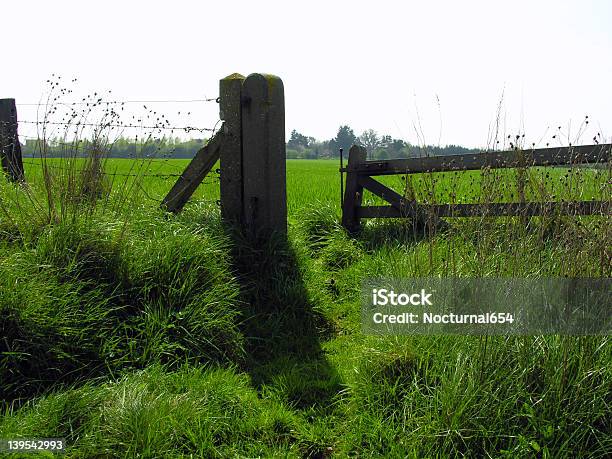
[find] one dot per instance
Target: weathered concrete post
(10, 148)
(230, 111)
(263, 155)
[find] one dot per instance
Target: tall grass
(132, 333)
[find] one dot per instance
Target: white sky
(375, 64)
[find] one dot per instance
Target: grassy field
(131, 333)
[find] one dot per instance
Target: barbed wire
(81, 145)
(78, 146)
(103, 125)
(73, 122)
(164, 159)
(167, 101)
(159, 201)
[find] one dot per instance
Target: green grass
(132, 333)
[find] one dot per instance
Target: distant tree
(370, 140)
(298, 141)
(345, 139)
(292, 154)
(397, 145)
(322, 149)
(386, 140)
(310, 154)
(380, 153)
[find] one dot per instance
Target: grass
(132, 333)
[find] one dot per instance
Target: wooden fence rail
(583, 154)
(360, 172)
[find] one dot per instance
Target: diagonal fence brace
(194, 173)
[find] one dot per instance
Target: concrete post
(230, 96)
(263, 155)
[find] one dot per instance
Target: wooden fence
(360, 172)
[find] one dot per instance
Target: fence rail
(582, 154)
(529, 209)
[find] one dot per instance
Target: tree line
(378, 146)
(299, 146)
(122, 147)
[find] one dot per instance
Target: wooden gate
(359, 173)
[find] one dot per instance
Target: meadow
(133, 333)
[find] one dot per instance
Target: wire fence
(141, 177)
(76, 146)
(121, 102)
(153, 165)
(78, 124)
(90, 102)
(44, 163)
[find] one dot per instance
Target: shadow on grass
(282, 327)
(391, 232)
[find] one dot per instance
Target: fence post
(10, 148)
(230, 182)
(353, 193)
(264, 155)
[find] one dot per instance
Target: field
(130, 333)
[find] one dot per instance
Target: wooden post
(353, 193)
(10, 148)
(264, 155)
(232, 202)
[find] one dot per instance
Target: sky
(429, 72)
